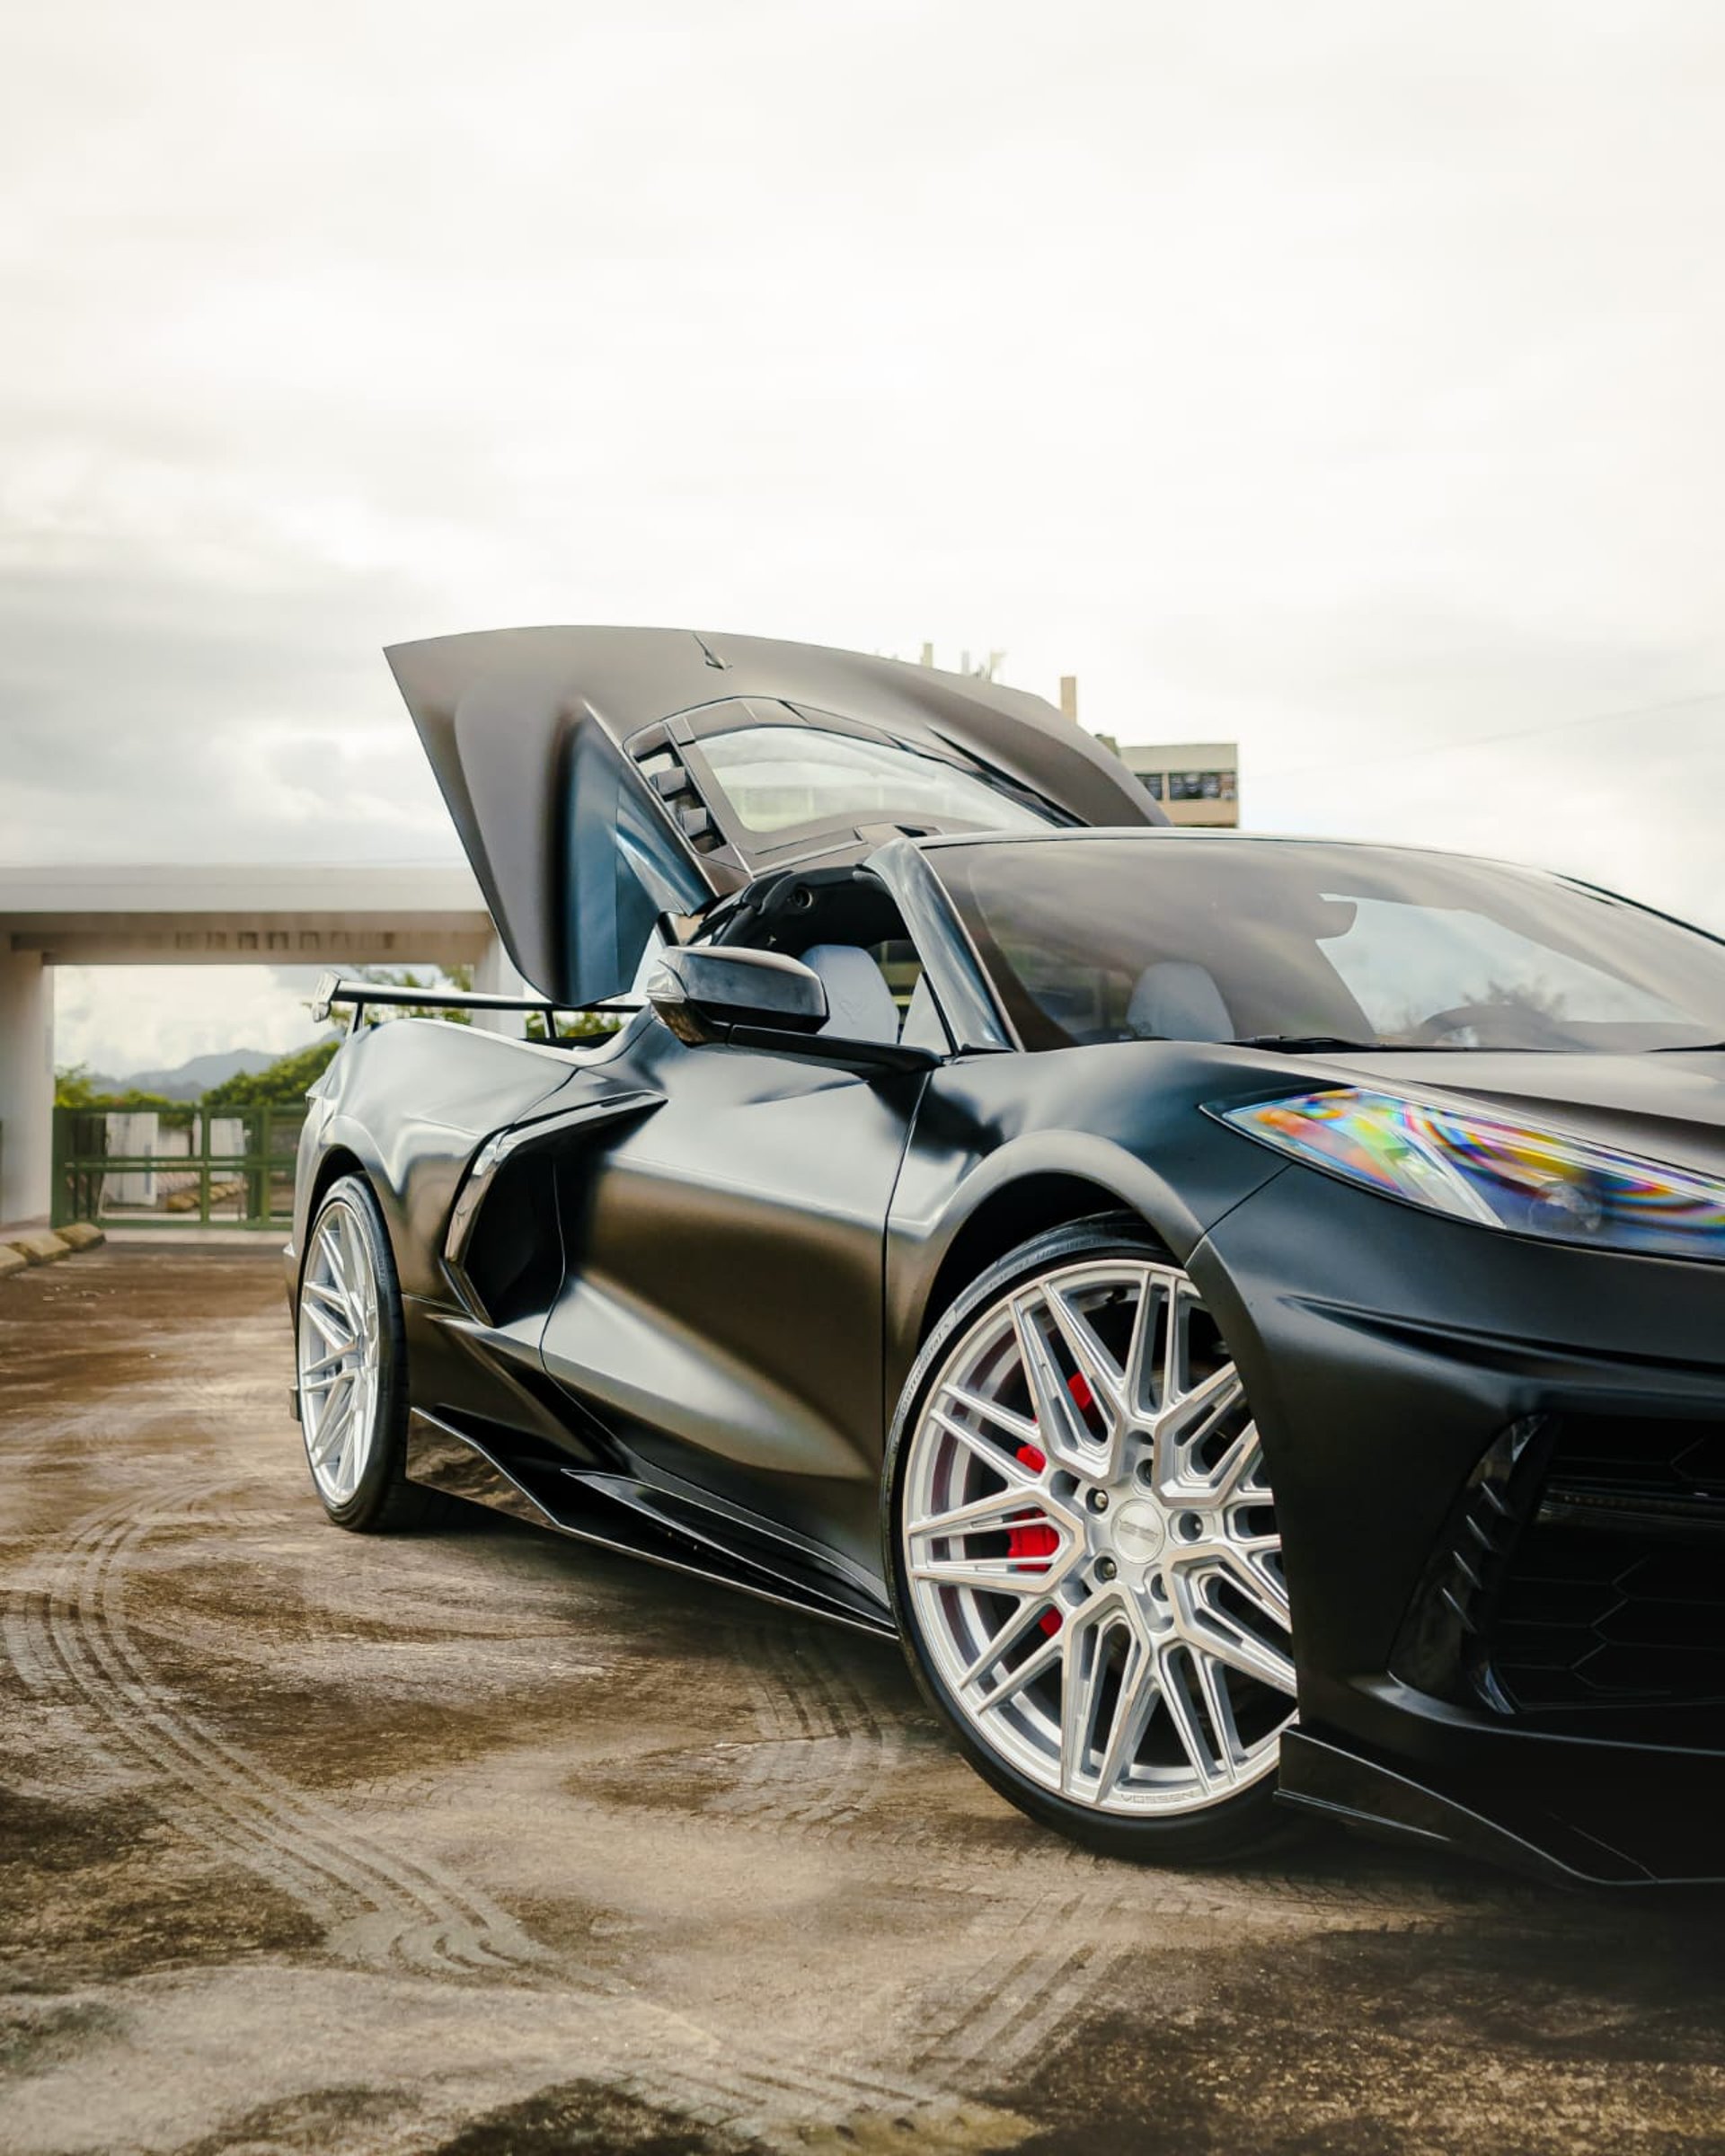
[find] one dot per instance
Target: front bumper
(1509, 1602)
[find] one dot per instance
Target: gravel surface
(481, 1842)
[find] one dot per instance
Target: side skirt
(617, 1512)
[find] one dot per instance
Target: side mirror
(702, 993)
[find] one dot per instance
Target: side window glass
(649, 958)
(920, 1025)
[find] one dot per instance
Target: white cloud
(117, 1020)
(1341, 378)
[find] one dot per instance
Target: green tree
(574, 1025)
(73, 1088)
(283, 1084)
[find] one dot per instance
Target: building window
(1152, 783)
(1201, 786)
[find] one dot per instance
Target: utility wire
(1513, 733)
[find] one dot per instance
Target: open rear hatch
(602, 777)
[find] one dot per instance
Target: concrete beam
(252, 940)
(271, 915)
(238, 915)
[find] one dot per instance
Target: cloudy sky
(1343, 377)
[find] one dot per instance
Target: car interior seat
(1176, 1000)
(859, 1004)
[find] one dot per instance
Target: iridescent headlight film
(1506, 1175)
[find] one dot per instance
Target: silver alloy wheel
(1090, 1544)
(340, 1342)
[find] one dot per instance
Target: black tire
(1226, 1830)
(384, 1501)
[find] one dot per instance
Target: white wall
(26, 1085)
(132, 1133)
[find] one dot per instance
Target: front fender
(1006, 1145)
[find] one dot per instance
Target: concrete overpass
(240, 916)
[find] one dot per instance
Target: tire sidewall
(381, 1470)
(1221, 1832)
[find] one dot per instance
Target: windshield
(1169, 937)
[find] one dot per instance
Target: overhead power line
(1512, 733)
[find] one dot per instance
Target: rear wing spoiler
(332, 992)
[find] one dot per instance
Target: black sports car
(1247, 1313)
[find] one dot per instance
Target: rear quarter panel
(412, 1100)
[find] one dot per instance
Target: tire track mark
(1056, 1951)
(371, 1903)
(375, 1907)
(1015, 2000)
(822, 1750)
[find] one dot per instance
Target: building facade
(1198, 783)
(241, 915)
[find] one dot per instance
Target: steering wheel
(1434, 1031)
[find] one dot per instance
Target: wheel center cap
(1139, 1531)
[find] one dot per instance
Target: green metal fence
(231, 1168)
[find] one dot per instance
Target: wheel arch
(1006, 1217)
(1029, 1187)
(337, 1159)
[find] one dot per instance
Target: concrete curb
(44, 1246)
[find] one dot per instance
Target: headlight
(1504, 1175)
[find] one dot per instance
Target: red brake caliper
(1036, 1538)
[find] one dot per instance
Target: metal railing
(188, 1167)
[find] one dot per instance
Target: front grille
(1635, 1459)
(1614, 1595)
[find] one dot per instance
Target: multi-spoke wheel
(351, 1366)
(1086, 1558)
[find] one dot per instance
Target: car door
(603, 779)
(721, 1313)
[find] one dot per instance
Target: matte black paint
(702, 993)
(665, 1295)
(723, 1302)
(753, 1244)
(536, 737)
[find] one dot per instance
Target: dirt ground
(483, 1842)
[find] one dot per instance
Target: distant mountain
(190, 1081)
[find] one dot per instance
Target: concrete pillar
(26, 1084)
(495, 975)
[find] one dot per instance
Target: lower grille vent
(1616, 1595)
